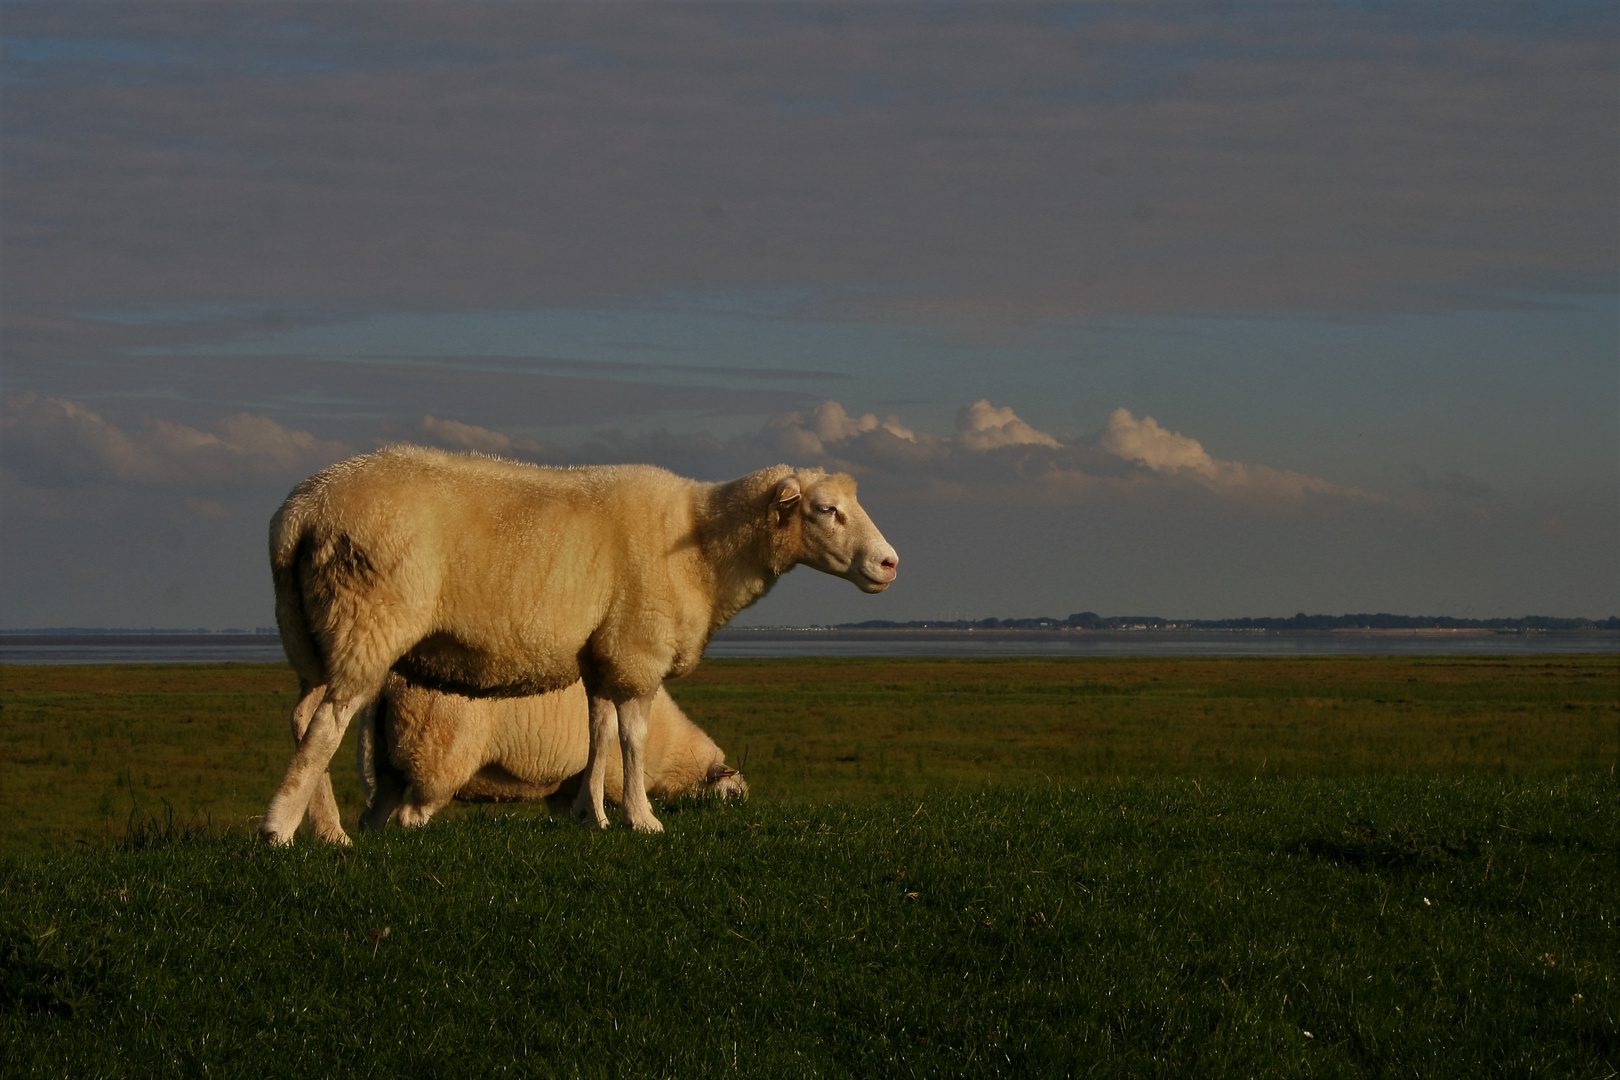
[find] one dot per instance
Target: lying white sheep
(493, 578)
(442, 746)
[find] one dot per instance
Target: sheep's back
(501, 575)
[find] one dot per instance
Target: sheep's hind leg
(324, 816)
(588, 805)
(325, 819)
(638, 812)
(308, 769)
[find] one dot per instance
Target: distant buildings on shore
(1088, 620)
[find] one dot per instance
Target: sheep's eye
(826, 509)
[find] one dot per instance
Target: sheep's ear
(718, 772)
(787, 500)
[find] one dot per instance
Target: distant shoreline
(195, 638)
(834, 642)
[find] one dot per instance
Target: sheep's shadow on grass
(1362, 844)
(556, 813)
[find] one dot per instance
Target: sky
(1192, 310)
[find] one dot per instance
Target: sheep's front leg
(417, 812)
(307, 770)
(384, 784)
(588, 804)
(431, 792)
(633, 743)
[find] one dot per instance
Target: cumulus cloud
(811, 432)
(53, 440)
(465, 436)
(459, 436)
(1145, 441)
(995, 453)
(982, 426)
(1172, 454)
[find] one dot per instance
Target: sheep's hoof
(649, 825)
(413, 817)
(369, 821)
(338, 837)
(276, 839)
(587, 815)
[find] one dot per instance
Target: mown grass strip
(1159, 927)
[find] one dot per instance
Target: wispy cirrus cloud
(1193, 158)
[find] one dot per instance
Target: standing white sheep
(487, 577)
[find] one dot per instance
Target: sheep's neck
(741, 555)
(741, 577)
(739, 594)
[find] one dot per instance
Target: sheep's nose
(891, 565)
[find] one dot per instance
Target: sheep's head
(724, 782)
(834, 534)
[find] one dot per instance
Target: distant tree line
(1090, 620)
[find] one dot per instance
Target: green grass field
(1357, 867)
(81, 747)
